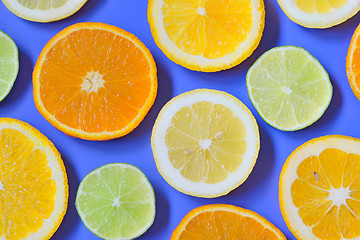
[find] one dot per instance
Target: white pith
(173, 175)
(338, 196)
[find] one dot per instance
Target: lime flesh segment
(116, 201)
(289, 88)
(9, 64)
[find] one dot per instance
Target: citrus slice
(33, 183)
(319, 189)
(116, 201)
(319, 13)
(44, 10)
(207, 36)
(9, 64)
(205, 142)
(95, 81)
(289, 88)
(352, 63)
(222, 221)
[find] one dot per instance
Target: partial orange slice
(353, 63)
(222, 221)
(320, 189)
(95, 81)
(33, 183)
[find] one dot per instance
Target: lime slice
(44, 10)
(9, 64)
(116, 201)
(289, 88)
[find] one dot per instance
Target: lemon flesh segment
(116, 201)
(207, 146)
(320, 6)
(9, 64)
(319, 13)
(206, 142)
(289, 88)
(44, 10)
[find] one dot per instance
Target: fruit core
(92, 82)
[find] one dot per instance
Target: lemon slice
(44, 10)
(319, 13)
(33, 183)
(205, 143)
(319, 189)
(207, 36)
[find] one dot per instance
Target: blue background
(260, 192)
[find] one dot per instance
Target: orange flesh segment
(355, 61)
(119, 81)
(318, 176)
(28, 193)
(222, 224)
(211, 28)
(320, 6)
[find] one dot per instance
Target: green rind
(105, 166)
(258, 110)
(16, 70)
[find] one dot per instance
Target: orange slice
(33, 183)
(222, 221)
(353, 63)
(320, 189)
(95, 81)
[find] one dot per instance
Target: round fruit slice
(319, 13)
(320, 189)
(352, 63)
(95, 81)
(222, 221)
(116, 201)
(44, 10)
(207, 36)
(289, 88)
(33, 183)
(205, 143)
(9, 64)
